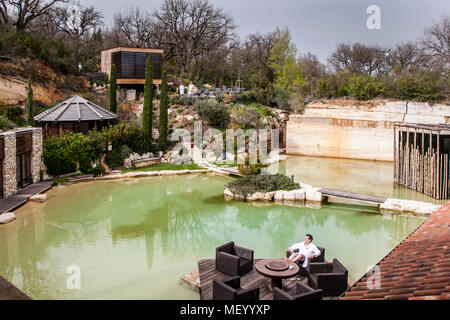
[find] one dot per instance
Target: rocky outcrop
(39, 198)
(279, 196)
(409, 206)
(48, 85)
(7, 217)
(356, 129)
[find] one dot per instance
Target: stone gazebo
(74, 115)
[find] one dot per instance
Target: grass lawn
(224, 164)
(166, 166)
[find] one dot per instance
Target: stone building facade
(21, 147)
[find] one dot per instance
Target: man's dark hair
(309, 236)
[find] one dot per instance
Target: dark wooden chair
(230, 289)
(303, 292)
(331, 277)
(303, 272)
(234, 260)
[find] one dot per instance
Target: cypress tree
(113, 90)
(163, 107)
(30, 112)
(147, 112)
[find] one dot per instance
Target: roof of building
(75, 109)
(441, 128)
(417, 269)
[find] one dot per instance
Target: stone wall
(356, 130)
(36, 154)
(9, 164)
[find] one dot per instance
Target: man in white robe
(303, 251)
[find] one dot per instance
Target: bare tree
(191, 28)
(406, 56)
(25, 11)
(4, 18)
(90, 20)
(311, 65)
(358, 58)
(136, 27)
(436, 42)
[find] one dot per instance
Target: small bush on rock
(261, 183)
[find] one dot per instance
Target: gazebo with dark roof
(74, 115)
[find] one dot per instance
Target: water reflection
(360, 176)
(133, 239)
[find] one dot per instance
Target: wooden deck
(9, 292)
(352, 196)
(208, 272)
(22, 196)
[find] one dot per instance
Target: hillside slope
(48, 85)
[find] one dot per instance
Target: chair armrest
(338, 266)
(221, 291)
(244, 252)
(312, 295)
(302, 288)
(248, 294)
(279, 294)
(319, 267)
(233, 282)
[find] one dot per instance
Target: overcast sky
(317, 26)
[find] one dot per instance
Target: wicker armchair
(331, 277)
(234, 260)
(230, 289)
(303, 292)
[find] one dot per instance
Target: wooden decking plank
(12, 202)
(208, 272)
(352, 195)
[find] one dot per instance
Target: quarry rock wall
(355, 129)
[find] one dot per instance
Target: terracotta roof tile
(417, 269)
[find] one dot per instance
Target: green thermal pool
(134, 239)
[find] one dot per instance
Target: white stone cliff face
(356, 130)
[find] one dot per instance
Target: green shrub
(97, 171)
(61, 155)
(115, 158)
(246, 117)
(281, 99)
(16, 115)
(364, 87)
(213, 112)
(183, 100)
(242, 98)
(58, 181)
(53, 52)
(261, 183)
(263, 111)
(4, 123)
(263, 96)
(423, 87)
(130, 135)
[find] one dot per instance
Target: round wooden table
(276, 270)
